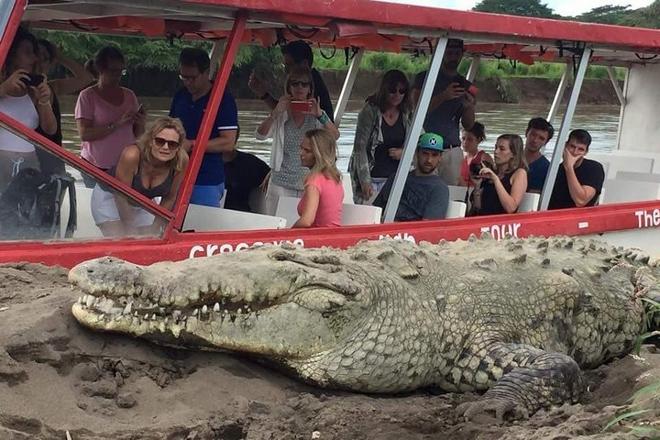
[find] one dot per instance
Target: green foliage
(610, 14)
(527, 8)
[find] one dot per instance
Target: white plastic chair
(529, 202)
(456, 209)
(457, 192)
(287, 207)
(207, 218)
(639, 177)
(353, 214)
(619, 191)
(348, 188)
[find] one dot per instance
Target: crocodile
(517, 318)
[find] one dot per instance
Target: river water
(601, 121)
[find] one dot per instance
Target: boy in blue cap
(425, 195)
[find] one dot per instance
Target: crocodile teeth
(128, 309)
(146, 316)
(195, 312)
(216, 307)
(89, 301)
(205, 309)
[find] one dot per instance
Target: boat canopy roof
(368, 24)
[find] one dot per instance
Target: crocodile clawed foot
(503, 408)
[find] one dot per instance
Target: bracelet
(324, 118)
(43, 102)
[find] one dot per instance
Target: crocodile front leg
(532, 379)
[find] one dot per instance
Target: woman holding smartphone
(503, 186)
(296, 113)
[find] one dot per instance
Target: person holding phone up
(296, 112)
(499, 188)
(26, 97)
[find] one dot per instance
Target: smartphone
(301, 106)
(33, 80)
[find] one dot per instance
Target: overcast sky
(563, 7)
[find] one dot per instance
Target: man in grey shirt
(425, 195)
(452, 103)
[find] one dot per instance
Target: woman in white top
(26, 97)
(296, 112)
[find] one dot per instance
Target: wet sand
(56, 376)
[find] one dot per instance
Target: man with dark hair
(425, 195)
(295, 52)
(189, 105)
(453, 101)
(538, 134)
(579, 180)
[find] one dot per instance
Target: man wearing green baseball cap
(425, 195)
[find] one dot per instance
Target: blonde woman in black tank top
(155, 167)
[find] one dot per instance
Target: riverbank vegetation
(163, 54)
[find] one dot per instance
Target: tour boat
(629, 210)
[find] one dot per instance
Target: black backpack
(30, 206)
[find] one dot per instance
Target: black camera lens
(33, 80)
(475, 168)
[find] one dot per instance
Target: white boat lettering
(648, 219)
(499, 232)
(400, 236)
(214, 249)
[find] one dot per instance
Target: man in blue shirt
(538, 134)
(189, 105)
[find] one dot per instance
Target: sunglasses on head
(401, 90)
(172, 145)
(299, 84)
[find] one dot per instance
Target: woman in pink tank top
(323, 197)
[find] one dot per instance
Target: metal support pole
(559, 94)
(216, 51)
(564, 130)
(615, 83)
(622, 111)
(410, 145)
(473, 69)
(212, 108)
(11, 13)
(348, 86)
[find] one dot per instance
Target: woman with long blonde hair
(321, 204)
(154, 166)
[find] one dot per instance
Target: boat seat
(619, 191)
(529, 202)
(86, 227)
(207, 218)
(348, 188)
(352, 214)
(639, 177)
(456, 209)
(622, 162)
(457, 192)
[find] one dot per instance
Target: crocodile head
(317, 312)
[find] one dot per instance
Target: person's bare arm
(468, 117)
(81, 77)
(311, 199)
(124, 172)
(225, 142)
(42, 96)
(89, 132)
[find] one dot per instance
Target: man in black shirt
(295, 52)
(244, 172)
(579, 180)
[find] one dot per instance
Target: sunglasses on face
(402, 91)
(299, 84)
(160, 142)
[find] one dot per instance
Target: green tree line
(163, 54)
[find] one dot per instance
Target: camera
(475, 168)
(33, 80)
(301, 106)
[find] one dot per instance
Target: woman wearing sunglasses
(296, 113)
(154, 166)
(381, 130)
